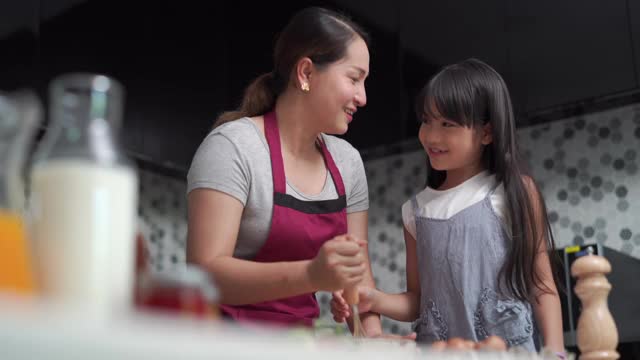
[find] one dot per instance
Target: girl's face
(452, 147)
(337, 91)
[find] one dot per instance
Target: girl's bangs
(451, 95)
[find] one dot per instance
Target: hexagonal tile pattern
(605, 152)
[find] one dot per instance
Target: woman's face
(337, 91)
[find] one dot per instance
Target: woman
(271, 240)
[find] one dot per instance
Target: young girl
(477, 237)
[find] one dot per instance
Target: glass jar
(187, 291)
(84, 194)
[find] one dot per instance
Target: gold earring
(305, 87)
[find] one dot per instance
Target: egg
(469, 344)
(439, 345)
(459, 344)
(492, 343)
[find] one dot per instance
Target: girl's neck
(297, 133)
(456, 177)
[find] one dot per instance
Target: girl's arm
(404, 306)
(546, 307)
(214, 222)
(546, 302)
(401, 307)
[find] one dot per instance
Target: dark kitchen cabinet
(634, 21)
(566, 51)
(438, 33)
(182, 64)
(171, 59)
(19, 47)
(183, 79)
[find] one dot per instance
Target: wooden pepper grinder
(597, 332)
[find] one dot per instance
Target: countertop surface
(38, 330)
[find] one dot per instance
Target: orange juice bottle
(16, 271)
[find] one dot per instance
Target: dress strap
(414, 204)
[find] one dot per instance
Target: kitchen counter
(37, 330)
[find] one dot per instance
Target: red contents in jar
(178, 299)
(187, 291)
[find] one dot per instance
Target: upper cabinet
(18, 48)
(183, 64)
(549, 52)
(438, 33)
(634, 20)
(434, 34)
(566, 51)
(182, 78)
(171, 59)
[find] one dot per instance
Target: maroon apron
(298, 230)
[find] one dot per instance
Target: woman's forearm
(370, 321)
(247, 282)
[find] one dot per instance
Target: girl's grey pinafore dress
(459, 260)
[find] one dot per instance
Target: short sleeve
(218, 165)
(358, 198)
(408, 218)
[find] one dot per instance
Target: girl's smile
(435, 152)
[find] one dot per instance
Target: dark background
(182, 63)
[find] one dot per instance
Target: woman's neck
(297, 134)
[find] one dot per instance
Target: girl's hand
(339, 264)
(340, 309)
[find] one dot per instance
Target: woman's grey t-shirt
(234, 159)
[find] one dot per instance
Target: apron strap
(414, 204)
(331, 165)
(275, 152)
(277, 164)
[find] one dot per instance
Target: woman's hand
(340, 309)
(339, 264)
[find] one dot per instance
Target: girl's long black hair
(473, 94)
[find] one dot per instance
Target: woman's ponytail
(259, 97)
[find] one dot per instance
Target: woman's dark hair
(317, 33)
(473, 94)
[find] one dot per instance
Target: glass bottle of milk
(83, 203)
